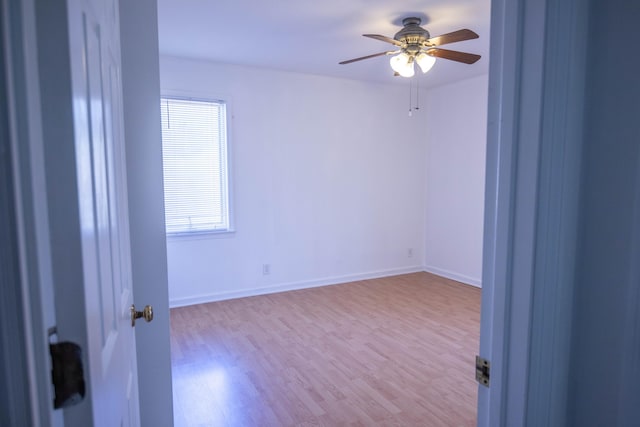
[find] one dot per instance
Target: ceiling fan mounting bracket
(411, 20)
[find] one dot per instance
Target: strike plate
(483, 370)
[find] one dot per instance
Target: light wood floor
(396, 351)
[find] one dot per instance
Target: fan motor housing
(412, 34)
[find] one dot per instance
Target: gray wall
(605, 376)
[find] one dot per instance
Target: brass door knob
(147, 313)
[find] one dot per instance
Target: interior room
(339, 174)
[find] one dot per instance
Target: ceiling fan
(416, 45)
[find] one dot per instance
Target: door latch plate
(483, 371)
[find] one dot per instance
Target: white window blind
(194, 150)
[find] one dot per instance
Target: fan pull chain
(410, 90)
(418, 95)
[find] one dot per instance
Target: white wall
(455, 171)
(328, 179)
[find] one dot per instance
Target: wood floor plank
(396, 351)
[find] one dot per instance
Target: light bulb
(425, 61)
(402, 65)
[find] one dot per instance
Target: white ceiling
(312, 36)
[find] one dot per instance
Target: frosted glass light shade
(408, 71)
(402, 65)
(425, 61)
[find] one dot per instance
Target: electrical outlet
(266, 269)
(410, 253)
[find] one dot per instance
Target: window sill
(200, 235)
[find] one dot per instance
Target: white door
(98, 154)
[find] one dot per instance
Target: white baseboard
(221, 296)
(453, 276)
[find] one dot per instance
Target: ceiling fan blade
(456, 36)
(453, 55)
(364, 57)
(384, 39)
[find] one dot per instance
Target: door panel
(102, 206)
(141, 93)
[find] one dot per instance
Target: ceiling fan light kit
(415, 44)
(403, 64)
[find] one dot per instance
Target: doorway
(188, 73)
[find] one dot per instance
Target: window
(194, 152)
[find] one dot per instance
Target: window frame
(211, 98)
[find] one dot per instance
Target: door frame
(13, 331)
(29, 288)
(534, 143)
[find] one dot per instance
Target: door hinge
(483, 371)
